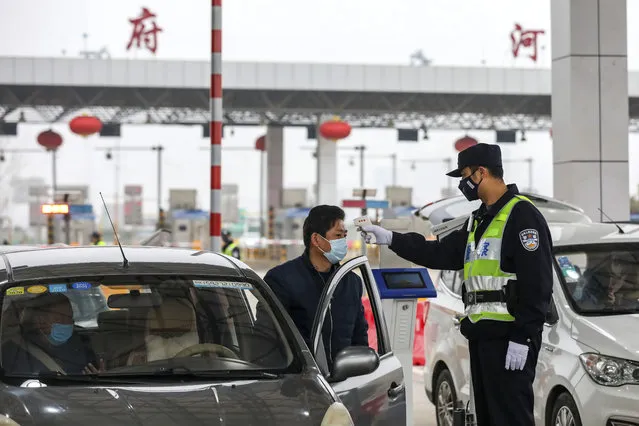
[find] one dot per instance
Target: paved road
(423, 409)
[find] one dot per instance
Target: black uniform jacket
(530, 260)
(298, 286)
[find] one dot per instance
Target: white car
(588, 368)
(553, 210)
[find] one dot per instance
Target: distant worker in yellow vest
(505, 250)
(230, 248)
(96, 239)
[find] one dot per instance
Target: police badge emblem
(529, 239)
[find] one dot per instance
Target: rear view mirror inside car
(134, 299)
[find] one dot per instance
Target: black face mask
(469, 188)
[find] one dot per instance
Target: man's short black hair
(495, 171)
(321, 219)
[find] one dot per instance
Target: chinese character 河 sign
(526, 39)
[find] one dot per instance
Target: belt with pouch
(484, 296)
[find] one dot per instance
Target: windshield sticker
(564, 261)
(223, 284)
(14, 291)
(82, 285)
(58, 288)
(37, 289)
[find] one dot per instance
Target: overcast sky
(452, 32)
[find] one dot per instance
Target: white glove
(382, 236)
(516, 356)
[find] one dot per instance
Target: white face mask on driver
(339, 249)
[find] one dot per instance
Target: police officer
(230, 247)
(505, 252)
(96, 239)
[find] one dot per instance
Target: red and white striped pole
(215, 224)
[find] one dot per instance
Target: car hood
(293, 400)
(614, 335)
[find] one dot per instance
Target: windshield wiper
(217, 374)
(59, 376)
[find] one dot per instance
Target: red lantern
(50, 140)
(335, 129)
(465, 142)
(85, 125)
(260, 143)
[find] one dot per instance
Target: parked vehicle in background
(553, 210)
(588, 369)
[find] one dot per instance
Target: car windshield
(601, 279)
(140, 325)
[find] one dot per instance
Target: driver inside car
(170, 328)
(47, 341)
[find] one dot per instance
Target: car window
(600, 279)
(372, 321)
(147, 323)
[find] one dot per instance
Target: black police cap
(481, 154)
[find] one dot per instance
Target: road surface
(423, 409)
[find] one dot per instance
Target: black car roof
(32, 262)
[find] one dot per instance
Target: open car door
(377, 396)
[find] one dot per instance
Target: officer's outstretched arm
(533, 265)
(447, 254)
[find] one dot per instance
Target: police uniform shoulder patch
(529, 239)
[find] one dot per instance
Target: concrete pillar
(590, 105)
(326, 170)
(274, 166)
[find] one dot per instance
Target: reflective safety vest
(229, 249)
(482, 266)
(100, 243)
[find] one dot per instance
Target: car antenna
(621, 231)
(126, 262)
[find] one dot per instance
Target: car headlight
(337, 415)
(610, 371)
(5, 420)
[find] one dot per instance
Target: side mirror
(354, 361)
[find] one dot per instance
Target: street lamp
(156, 148)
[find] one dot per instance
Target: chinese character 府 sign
(525, 38)
(144, 29)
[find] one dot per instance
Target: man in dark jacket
(299, 284)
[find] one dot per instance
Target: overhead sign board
(133, 190)
(294, 198)
(182, 199)
(38, 190)
(399, 195)
(80, 209)
(361, 192)
(133, 212)
(365, 204)
(55, 209)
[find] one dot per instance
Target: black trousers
(502, 397)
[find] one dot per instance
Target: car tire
(445, 398)
(565, 412)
